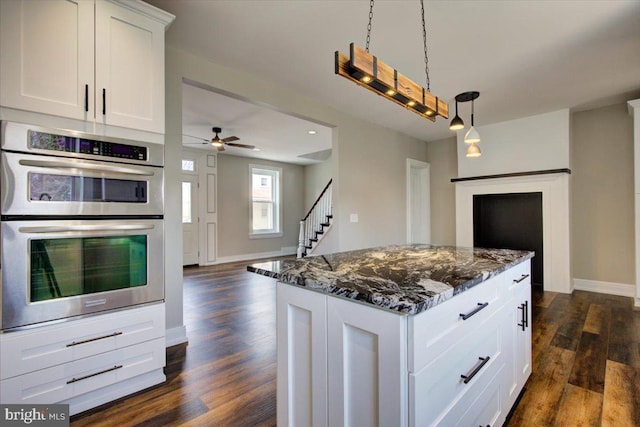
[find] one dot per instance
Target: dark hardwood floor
(586, 360)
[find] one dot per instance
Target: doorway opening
(418, 202)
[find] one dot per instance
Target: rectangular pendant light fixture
(369, 72)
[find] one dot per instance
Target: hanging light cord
(369, 26)
(424, 38)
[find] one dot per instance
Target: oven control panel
(69, 144)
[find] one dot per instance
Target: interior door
(418, 202)
(189, 220)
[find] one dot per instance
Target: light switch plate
(353, 218)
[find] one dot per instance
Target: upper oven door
(45, 185)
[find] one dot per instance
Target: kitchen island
(402, 335)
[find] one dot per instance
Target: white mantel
(529, 144)
(634, 110)
(555, 219)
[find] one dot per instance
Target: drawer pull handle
(525, 315)
(524, 276)
(75, 380)
(476, 369)
(480, 306)
(115, 334)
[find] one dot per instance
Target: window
(188, 165)
(186, 202)
(265, 201)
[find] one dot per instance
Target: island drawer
(440, 385)
(434, 331)
(481, 408)
(43, 347)
(518, 276)
(63, 382)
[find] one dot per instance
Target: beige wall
(602, 200)
(368, 164)
(234, 204)
(442, 157)
(316, 177)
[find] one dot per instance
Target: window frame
(277, 194)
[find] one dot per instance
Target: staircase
(316, 223)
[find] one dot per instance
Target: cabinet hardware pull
(526, 314)
(115, 334)
(104, 102)
(523, 324)
(474, 311)
(476, 369)
(524, 276)
(86, 98)
(74, 380)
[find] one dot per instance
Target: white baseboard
(611, 288)
(175, 336)
(247, 257)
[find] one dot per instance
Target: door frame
(206, 169)
(424, 168)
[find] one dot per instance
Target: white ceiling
(525, 57)
(279, 137)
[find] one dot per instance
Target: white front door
(189, 220)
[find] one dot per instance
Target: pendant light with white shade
(472, 137)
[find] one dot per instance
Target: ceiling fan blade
(196, 143)
(234, 144)
(230, 138)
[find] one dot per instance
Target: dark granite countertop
(404, 278)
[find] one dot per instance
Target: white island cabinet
(97, 61)
(461, 362)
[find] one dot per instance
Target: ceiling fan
(219, 143)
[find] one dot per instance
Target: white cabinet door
(520, 323)
(367, 361)
(47, 57)
(129, 59)
(302, 357)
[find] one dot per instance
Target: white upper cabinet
(99, 60)
(46, 64)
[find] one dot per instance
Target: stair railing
(314, 223)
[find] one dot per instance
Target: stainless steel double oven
(82, 224)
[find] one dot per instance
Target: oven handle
(59, 164)
(85, 227)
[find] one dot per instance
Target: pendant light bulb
(473, 150)
(472, 136)
(456, 123)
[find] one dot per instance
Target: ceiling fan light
(456, 123)
(473, 150)
(216, 143)
(472, 136)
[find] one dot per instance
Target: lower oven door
(54, 270)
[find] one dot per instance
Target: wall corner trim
(175, 336)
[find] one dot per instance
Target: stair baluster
(316, 222)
